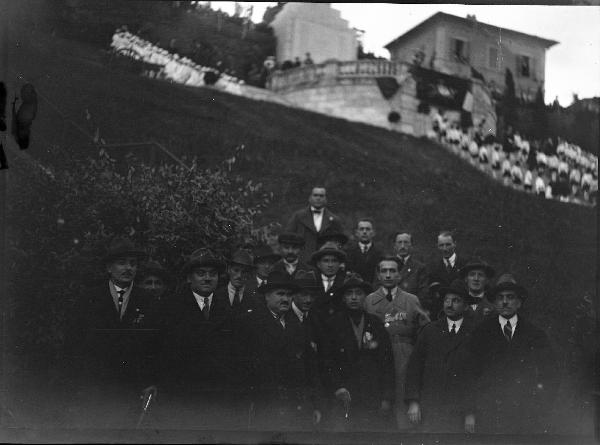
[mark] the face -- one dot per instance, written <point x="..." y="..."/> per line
<point x="122" y="270"/>
<point x="403" y="245"/>
<point x="203" y="280"/>
<point x="329" y="265"/>
<point x="388" y="274"/>
<point x="454" y="306"/>
<point x="476" y="281"/>
<point x="238" y="275"/>
<point x="304" y="300"/>
<point x="154" y="285"/>
<point x="507" y="303"/>
<point x="446" y="245"/>
<point x="354" y="298"/>
<point x="318" y="198"/>
<point x="290" y="252"/>
<point x="365" y="232"/>
<point x="263" y="267"/>
<point x="279" y="300"/>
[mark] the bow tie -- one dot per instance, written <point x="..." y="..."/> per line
<point x="317" y="211"/>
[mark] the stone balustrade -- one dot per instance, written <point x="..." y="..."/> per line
<point x="331" y="72"/>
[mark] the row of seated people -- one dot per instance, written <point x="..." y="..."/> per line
<point x="170" y="66"/>
<point x="269" y="342"/>
<point x="569" y="174"/>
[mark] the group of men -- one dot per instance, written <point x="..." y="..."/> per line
<point x="318" y="335"/>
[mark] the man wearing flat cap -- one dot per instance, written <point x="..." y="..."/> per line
<point x="313" y="220"/>
<point x="439" y="367"/>
<point x="104" y="340"/>
<point x="285" y="367"/>
<point x="360" y="365"/>
<point x="403" y="317"/>
<point x="198" y="373"/>
<point x="515" y="367"/>
<point x="290" y="247"/>
<point x="477" y="274"/>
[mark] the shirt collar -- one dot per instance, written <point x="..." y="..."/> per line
<point x="232" y="289"/>
<point x="394" y="291"/>
<point x="451" y="259"/>
<point x="321" y="210"/>
<point x="295" y="263"/>
<point x="326" y="278"/>
<point x="479" y="296"/>
<point x="198" y="296"/>
<point x="513" y="321"/>
<point x="297" y="311"/>
<point x="119" y="288"/>
<point x="458" y="323"/>
<point x="365" y="246"/>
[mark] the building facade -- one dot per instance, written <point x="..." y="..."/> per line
<point x="467" y="48"/>
<point x="313" y="28"/>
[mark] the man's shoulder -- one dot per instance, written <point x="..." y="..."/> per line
<point x="407" y="296"/>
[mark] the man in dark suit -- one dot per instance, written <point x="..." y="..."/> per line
<point x="363" y="255"/>
<point x="413" y="274"/>
<point x="285" y="374"/>
<point x="239" y="270"/>
<point x="439" y="367"/>
<point x="107" y="347"/>
<point x="515" y="368"/>
<point x="290" y="246"/>
<point x="264" y="260"/>
<point x="443" y="271"/>
<point x="330" y="277"/>
<point x="312" y="221"/>
<point x="359" y="362"/>
<point x="477" y="274"/>
<point x="204" y="366"/>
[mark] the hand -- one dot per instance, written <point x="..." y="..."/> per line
<point x="470" y="423"/>
<point x="414" y="412"/>
<point x="150" y="391"/>
<point x="316" y="419"/>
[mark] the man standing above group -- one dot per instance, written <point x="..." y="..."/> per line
<point x="290" y="246"/>
<point x="444" y="270"/>
<point x="413" y="274"/>
<point x="314" y="220"/>
<point x="364" y="255"/>
<point x="402" y="316"/>
<point x="477" y="274"/>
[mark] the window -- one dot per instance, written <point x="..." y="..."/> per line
<point x="493" y="59"/>
<point x="460" y="50"/>
<point x="523" y="66"/>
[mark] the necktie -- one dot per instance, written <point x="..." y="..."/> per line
<point x="453" y="330"/>
<point x="304" y="316"/>
<point x="316" y="212"/>
<point x="389" y="295"/>
<point x="329" y="284"/>
<point x="508" y="330"/>
<point x="363" y="248"/>
<point x="120" y="299"/>
<point x="448" y="265"/>
<point x="282" y="321"/>
<point x="206" y="308"/>
<point x="400" y="262"/>
<point x="236" y="298"/>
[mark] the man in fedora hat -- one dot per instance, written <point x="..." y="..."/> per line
<point x="403" y="317"/>
<point x="239" y="270"/>
<point x="515" y="367"/>
<point x="439" y="367"/>
<point x="359" y="362"/>
<point x="290" y="247"/>
<point x="305" y="295"/>
<point x="413" y="273"/>
<point x="333" y="236"/>
<point x="105" y="342"/>
<point x="443" y="270"/>
<point x="327" y="262"/>
<point x="286" y="372"/>
<point x="363" y="255"/>
<point x="313" y="220"/>
<point x="264" y="260"/>
<point x="477" y="274"/>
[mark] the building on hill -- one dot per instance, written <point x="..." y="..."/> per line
<point x="313" y="28"/>
<point x="467" y="48"/>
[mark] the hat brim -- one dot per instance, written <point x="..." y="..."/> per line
<point x="488" y="270"/>
<point x="516" y="288"/>
<point x="275" y="285"/>
<point x="316" y="256"/>
<point x="364" y="286"/>
<point x="272" y="257"/>
<point x="450" y="290"/>
<point x="219" y="265"/>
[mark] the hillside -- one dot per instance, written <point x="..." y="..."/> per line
<point x="398" y="180"/>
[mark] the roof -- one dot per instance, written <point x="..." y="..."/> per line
<point x="442" y="16"/>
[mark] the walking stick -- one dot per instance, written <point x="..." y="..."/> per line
<point x="147" y="401"/>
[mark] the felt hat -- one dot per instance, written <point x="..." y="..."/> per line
<point x="307" y="280"/>
<point x="243" y="258"/>
<point x="476" y="264"/>
<point x="507" y="282"/>
<point x="122" y="247"/>
<point x="264" y="253"/>
<point x="154" y="268"/>
<point x="203" y="257"/>
<point x="291" y="238"/>
<point x="278" y="280"/>
<point x="352" y="282"/>
<point x="317" y="255"/>
<point x="332" y="234"/>
<point x="457" y="287"/>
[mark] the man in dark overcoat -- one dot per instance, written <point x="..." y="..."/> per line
<point x="438" y="370"/>
<point x="263" y="259"/>
<point x="360" y="363"/>
<point x="516" y="368"/>
<point x="240" y="268"/>
<point x="313" y="220"/>
<point x="291" y="246"/>
<point x="285" y="371"/>
<point x="363" y="254"/>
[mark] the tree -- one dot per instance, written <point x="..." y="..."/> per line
<point x="509" y="100"/>
<point x="540" y="118"/>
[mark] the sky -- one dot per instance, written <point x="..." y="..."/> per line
<point x="572" y="66"/>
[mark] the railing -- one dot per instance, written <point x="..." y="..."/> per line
<point x="314" y="74"/>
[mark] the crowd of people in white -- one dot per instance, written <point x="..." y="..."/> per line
<point x="169" y="66"/>
<point x="558" y="170"/>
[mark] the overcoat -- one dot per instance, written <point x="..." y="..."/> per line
<point x="364" y="264"/>
<point x="302" y="223"/>
<point x="413" y="279"/>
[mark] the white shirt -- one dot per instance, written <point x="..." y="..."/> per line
<point x="326" y="281"/>
<point x="317" y="218"/>
<point x="298" y="312"/>
<point x="115" y="296"/>
<point x="479" y="298"/>
<point x="200" y="300"/>
<point x="513" y="323"/>
<point x="457" y="323"/>
<point x="540" y="186"/>
<point x="231" y="291"/>
<point x="450" y="260"/>
<point x="394" y="292"/>
<point x="281" y="320"/>
<point x="364" y="247"/>
<point x="290" y="267"/>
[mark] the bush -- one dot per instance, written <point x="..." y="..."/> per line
<point x="55" y="254"/>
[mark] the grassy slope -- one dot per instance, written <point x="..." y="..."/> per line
<point x="400" y="181"/>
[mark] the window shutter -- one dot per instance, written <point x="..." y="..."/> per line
<point x="467" y="51"/>
<point x="533" y="68"/>
<point x="518" y="66"/>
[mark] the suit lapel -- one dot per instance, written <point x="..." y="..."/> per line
<point x="307" y="220"/>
